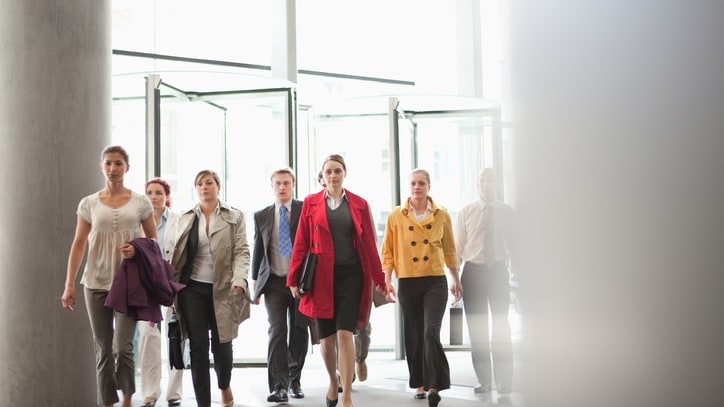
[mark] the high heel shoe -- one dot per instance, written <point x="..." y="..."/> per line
<point x="331" y="403"/>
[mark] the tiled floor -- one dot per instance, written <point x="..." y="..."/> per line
<point x="385" y="386"/>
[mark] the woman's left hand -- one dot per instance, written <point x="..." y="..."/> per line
<point x="456" y="289"/>
<point x="127" y="250"/>
<point x="295" y="291"/>
<point x="389" y="292"/>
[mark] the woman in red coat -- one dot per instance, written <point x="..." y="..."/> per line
<point x="337" y="226"/>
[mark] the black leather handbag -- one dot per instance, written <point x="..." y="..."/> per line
<point x="307" y="276"/>
<point x="178" y="354"/>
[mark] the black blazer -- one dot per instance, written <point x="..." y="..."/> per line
<point x="263" y="225"/>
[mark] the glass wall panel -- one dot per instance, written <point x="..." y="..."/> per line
<point x="129" y="131"/>
<point x="243" y="136"/>
<point x="454" y="150"/>
<point x="451" y="150"/>
<point x="364" y="143"/>
<point x="225" y="30"/>
<point x="192" y="139"/>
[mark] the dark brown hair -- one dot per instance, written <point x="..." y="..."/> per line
<point x="115" y="149"/>
<point x="335" y="157"/>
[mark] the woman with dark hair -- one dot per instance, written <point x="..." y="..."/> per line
<point x="158" y="192"/>
<point x="336" y="225"/>
<point x="107" y="221"/>
<point x="212" y="259"/>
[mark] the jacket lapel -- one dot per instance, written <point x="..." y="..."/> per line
<point x="267" y="219"/>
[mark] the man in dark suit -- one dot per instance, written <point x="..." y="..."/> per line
<point x="274" y="230"/>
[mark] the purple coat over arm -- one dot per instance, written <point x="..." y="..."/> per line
<point x="143" y="284"/>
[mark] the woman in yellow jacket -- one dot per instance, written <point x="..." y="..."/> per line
<point x="418" y="244"/>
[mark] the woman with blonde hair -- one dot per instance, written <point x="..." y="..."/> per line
<point x="417" y="245"/>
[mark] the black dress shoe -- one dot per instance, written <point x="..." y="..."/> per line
<point x="174" y="403"/>
<point x="331" y="403"/>
<point x="295" y="390"/>
<point x="433" y="399"/>
<point x="420" y="396"/>
<point x="278" y="396"/>
<point x="151" y="403"/>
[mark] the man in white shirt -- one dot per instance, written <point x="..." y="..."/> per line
<point x="482" y="232"/>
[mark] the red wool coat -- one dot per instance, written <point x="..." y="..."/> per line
<point x="313" y="235"/>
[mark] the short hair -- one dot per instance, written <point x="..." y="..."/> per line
<point x="335" y="157"/>
<point x="423" y="172"/>
<point x="115" y="149"/>
<point x="204" y="173"/>
<point x="285" y="170"/>
<point x="487" y="171"/>
<point x="166" y="188"/>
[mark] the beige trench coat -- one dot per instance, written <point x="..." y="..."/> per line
<point x="230" y="251"/>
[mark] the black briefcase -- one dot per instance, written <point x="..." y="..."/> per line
<point x="307" y="277"/>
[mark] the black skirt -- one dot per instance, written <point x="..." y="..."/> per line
<point x="347" y="293"/>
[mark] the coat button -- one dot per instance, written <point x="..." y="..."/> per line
<point x="410" y="228"/>
<point x="415" y="259"/>
<point x="425" y="258"/>
<point x="413" y="243"/>
<point x="425" y="241"/>
<point x="429" y="227"/>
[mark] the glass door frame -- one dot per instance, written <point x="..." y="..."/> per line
<point x="154" y="84"/>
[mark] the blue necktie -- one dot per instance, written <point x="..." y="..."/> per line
<point x="285" y="242"/>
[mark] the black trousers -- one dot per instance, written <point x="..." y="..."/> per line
<point x="197" y="310"/>
<point x="285" y="358"/>
<point x="423" y="301"/>
<point x="488" y="287"/>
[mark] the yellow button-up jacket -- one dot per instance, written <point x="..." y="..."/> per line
<point x="418" y="249"/>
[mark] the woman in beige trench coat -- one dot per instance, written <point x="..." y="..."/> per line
<point x="212" y="259"/>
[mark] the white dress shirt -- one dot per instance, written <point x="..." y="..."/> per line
<point x="470" y="236"/>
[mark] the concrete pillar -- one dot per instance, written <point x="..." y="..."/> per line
<point x="55" y="67"/>
<point x="618" y="117"/>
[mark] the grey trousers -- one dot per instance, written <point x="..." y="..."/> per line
<point x="113" y="347"/>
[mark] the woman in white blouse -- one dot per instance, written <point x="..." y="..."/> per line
<point x="107" y="221"/>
